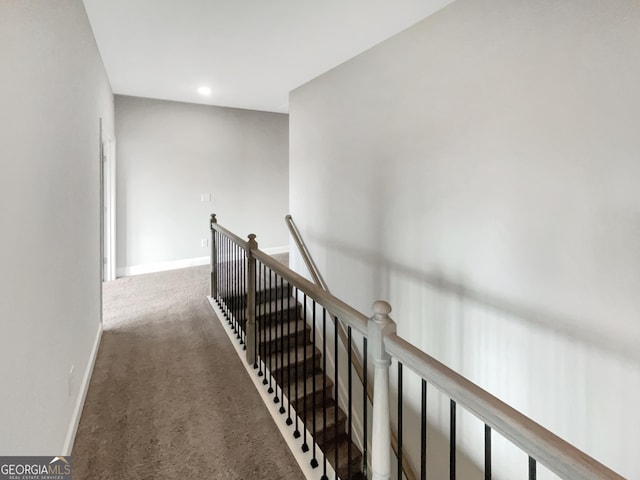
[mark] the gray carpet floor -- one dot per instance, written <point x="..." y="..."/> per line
<point x="169" y="398"/>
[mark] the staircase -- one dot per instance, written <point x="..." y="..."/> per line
<point x="280" y="337"/>
<point x="295" y="366"/>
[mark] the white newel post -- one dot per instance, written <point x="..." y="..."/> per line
<point x="251" y="302"/>
<point x="379" y="326"/>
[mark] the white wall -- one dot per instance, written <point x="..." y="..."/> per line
<point x="480" y="172"/>
<point x="53" y="90"/>
<point x="168" y="153"/>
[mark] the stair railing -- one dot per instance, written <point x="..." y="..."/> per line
<point x="379" y="332"/>
<point x="306" y="255"/>
<point x="232" y="263"/>
<point x="357" y="362"/>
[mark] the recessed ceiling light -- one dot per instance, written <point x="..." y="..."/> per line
<point x="204" y="91"/>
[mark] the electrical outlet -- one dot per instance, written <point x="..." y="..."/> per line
<point x="205" y="197"/>
<point x="204" y="242"/>
<point x="71" y="380"/>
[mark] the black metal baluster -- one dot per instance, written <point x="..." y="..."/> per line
<point x="282" y="345"/>
<point x="234" y="289"/>
<point x="226" y="279"/>
<point x="305" y="446"/>
<point x="220" y="275"/>
<point x="223" y="291"/>
<point x="265" y="322"/>
<point x="314" y="460"/>
<point x="236" y="297"/>
<point x="270" y="390"/>
<point x="242" y="300"/>
<point x="263" y="332"/>
<point x="296" y="432"/>
<point x="336" y="394"/>
<point x="423" y="433"/>
<point x="452" y="444"/>
<point x="228" y="301"/>
<point x="216" y="240"/>
<point x="221" y="271"/>
<point x="277" y="315"/>
<point x="234" y="286"/>
<point x="349" y="400"/>
<point x="239" y="296"/>
<point x="487" y="452"/>
<point x="245" y="295"/>
<point x="324" y="391"/>
<point x="214" y="275"/>
<point x="280" y="316"/>
<point x="399" y="420"/>
<point x="289" y="421"/>
<point x="532" y="469"/>
<point x="256" y="338"/>
<point x="365" y="402"/>
<point x="223" y="266"/>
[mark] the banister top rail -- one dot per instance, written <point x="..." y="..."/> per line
<point x="236" y="239"/>
<point x="346" y="313"/>
<point x="547" y="448"/>
<point x="306" y="255"/>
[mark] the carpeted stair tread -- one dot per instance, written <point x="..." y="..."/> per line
<point x="269" y="294"/>
<point x="287" y="328"/>
<point x="277" y="310"/>
<point x="324" y="435"/>
<point x="319" y="392"/>
<point x="275" y="338"/>
<point x="304" y="356"/>
<point x="355" y="462"/>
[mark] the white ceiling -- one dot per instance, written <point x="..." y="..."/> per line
<point x="251" y="53"/>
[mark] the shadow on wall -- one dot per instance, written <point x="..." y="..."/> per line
<point x="552" y="323"/>
<point x="579" y="384"/>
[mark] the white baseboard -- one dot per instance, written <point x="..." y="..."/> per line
<point x="184" y="263"/>
<point x="162" y="266"/>
<point x="82" y="395"/>
<point x="276" y="250"/>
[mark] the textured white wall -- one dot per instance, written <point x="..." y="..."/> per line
<point x="53" y="90"/>
<point x="168" y="153"/>
<point x="479" y="171"/>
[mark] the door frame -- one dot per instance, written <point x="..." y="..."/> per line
<point x="108" y="167"/>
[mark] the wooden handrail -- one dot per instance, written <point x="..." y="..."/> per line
<point x="306" y="254"/>
<point x="553" y="452"/>
<point x="344" y="311"/>
<point x="236" y="239"/>
<point x="356" y="361"/>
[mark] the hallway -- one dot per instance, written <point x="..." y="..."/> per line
<point x="169" y="397"/>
